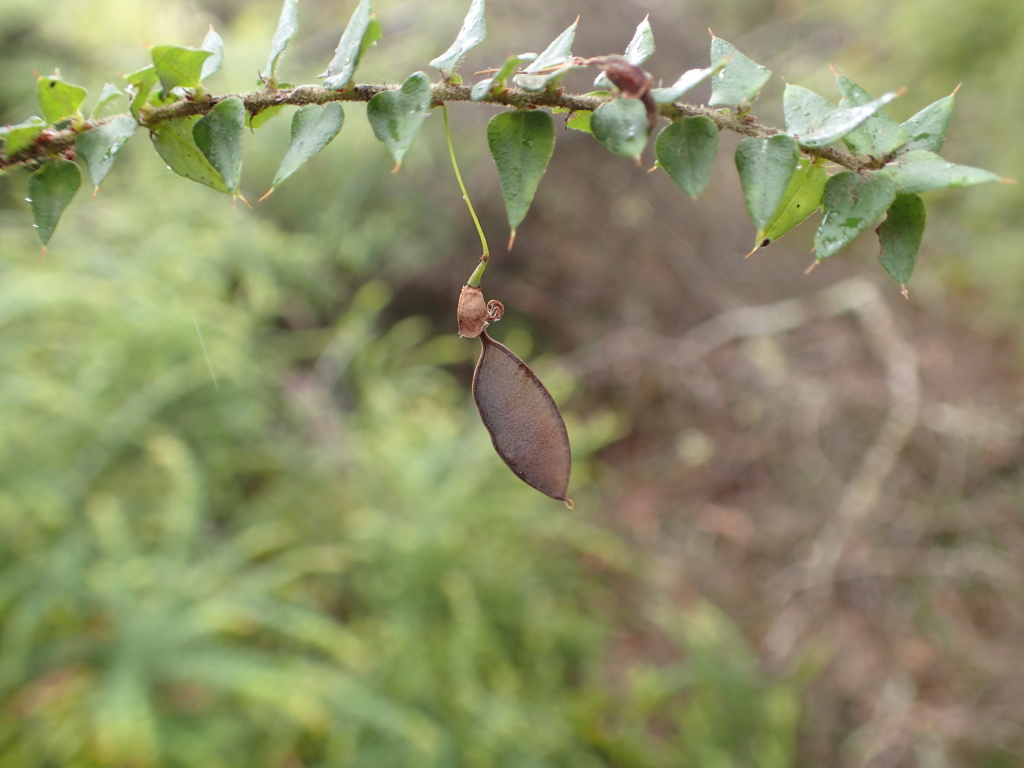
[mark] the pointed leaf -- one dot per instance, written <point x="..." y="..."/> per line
<point x="686" y="149"/>
<point x="691" y="78"/>
<point x="313" y="128"/>
<point x="218" y="134"/>
<point x="287" y="26"/>
<point x="639" y="50"/>
<point x="178" y="67"/>
<point x="140" y="85"/>
<point x="900" y="235"/>
<point x="50" y="189"/>
<point x="927" y="129"/>
<point x="765" y="167"/>
<point x="20" y="137"/>
<point x="740" y="80"/>
<point x="472" y="33"/>
<point x="396" y="116"/>
<point x="801" y="199"/>
<point x="109" y="93"/>
<point x="173" y="140"/>
<point x="552" y="64"/>
<point x="621" y="126"/>
<point x="98" y="147"/>
<point x="923" y="171"/>
<point x="212" y="43"/>
<point x="523" y="420"/>
<point x="59" y="99"/>
<point x="852" y="202"/>
<point x="816" y="122"/>
<point x="362" y="32"/>
<point x="879" y="135"/>
<point x="521" y="144"/>
<point x="497" y="81"/>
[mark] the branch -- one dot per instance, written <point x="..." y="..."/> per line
<point x="51" y="143"/>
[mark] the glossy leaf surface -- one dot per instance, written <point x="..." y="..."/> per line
<point x="852" y="202"/>
<point x="621" y="126"/>
<point x="554" y="59"/>
<point x="765" y="167"/>
<point x="472" y="33"/>
<point x="879" y="135"/>
<point x="900" y="235"/>
<point x="103" y="108"/>
<point x="691" y="78"/>
<point x="218" y="134"/>
<point x="639" y="50"/>
<point x="99" y="147"/>
<point x="314" y="126"/>
<point x="921" y="171"/>
<point x="497" y="80"/>
<point x="521" y="144"/>
<point x="396" y="116"/>
<point x="817" y="122"/>
<point x="686" y="149"/>
<point x="50" y="189"/>
<point x="362" y="32"/>
<point x="212" y="43"/>
<point x="525" y="425"/>
<point x="927" y="129"/>
<point x="740" y="80"/>
<point x="287" y="26"/>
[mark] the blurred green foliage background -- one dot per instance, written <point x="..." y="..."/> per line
<point x="248" y="514"/>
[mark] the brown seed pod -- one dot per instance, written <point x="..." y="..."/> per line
<point x="472" y="312"/>
<point x="525" y="425"/>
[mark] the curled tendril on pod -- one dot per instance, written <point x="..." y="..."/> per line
<point x="520" y="415"/>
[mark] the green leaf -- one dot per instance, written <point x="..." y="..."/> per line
<point x="766" y="167"/>
<point x="852" y="202"/>
<point x="686" y="149"/>
<point x="621" y="126"/>
<point x="472" y="33"/>
<point x="521" y="144"/>
<point x="287" y="26"/>
<point x="258" y="120"/>
<point x="313" y="128"/>
<point x="396" y="116"/>
<point x="557" y="58"/>
<point x="140" y="85"/>
<point x="362" y="32"/>
<point x="99" y="146"/>
<point x="50" y="189"/>
<point x="639" y="50"/>
<point x="218" y="134"/>
<point x="922" y="171"/>
<point x="496" y="82"/>
<point x="174" y="142"/>
<point x="59" y="99"/>
<point x="212" y="43"/>
<point x="927" y="129"/>
<point x="879" y="135"/>
<point x="740" y="80"/>
<point x="802" y="198"/>
<point x="689" y="79"/>
<point x="816" y="122"/>
<point x="178" y="67"/>
<point x="109" y="93"/>
<point x="21" y="136"/>
<point x="900" y="235"/>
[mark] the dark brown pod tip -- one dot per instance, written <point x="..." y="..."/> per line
<point x="630" y="79"/>
<point x="523" y="420"/>
<point x="472" y="313"/>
